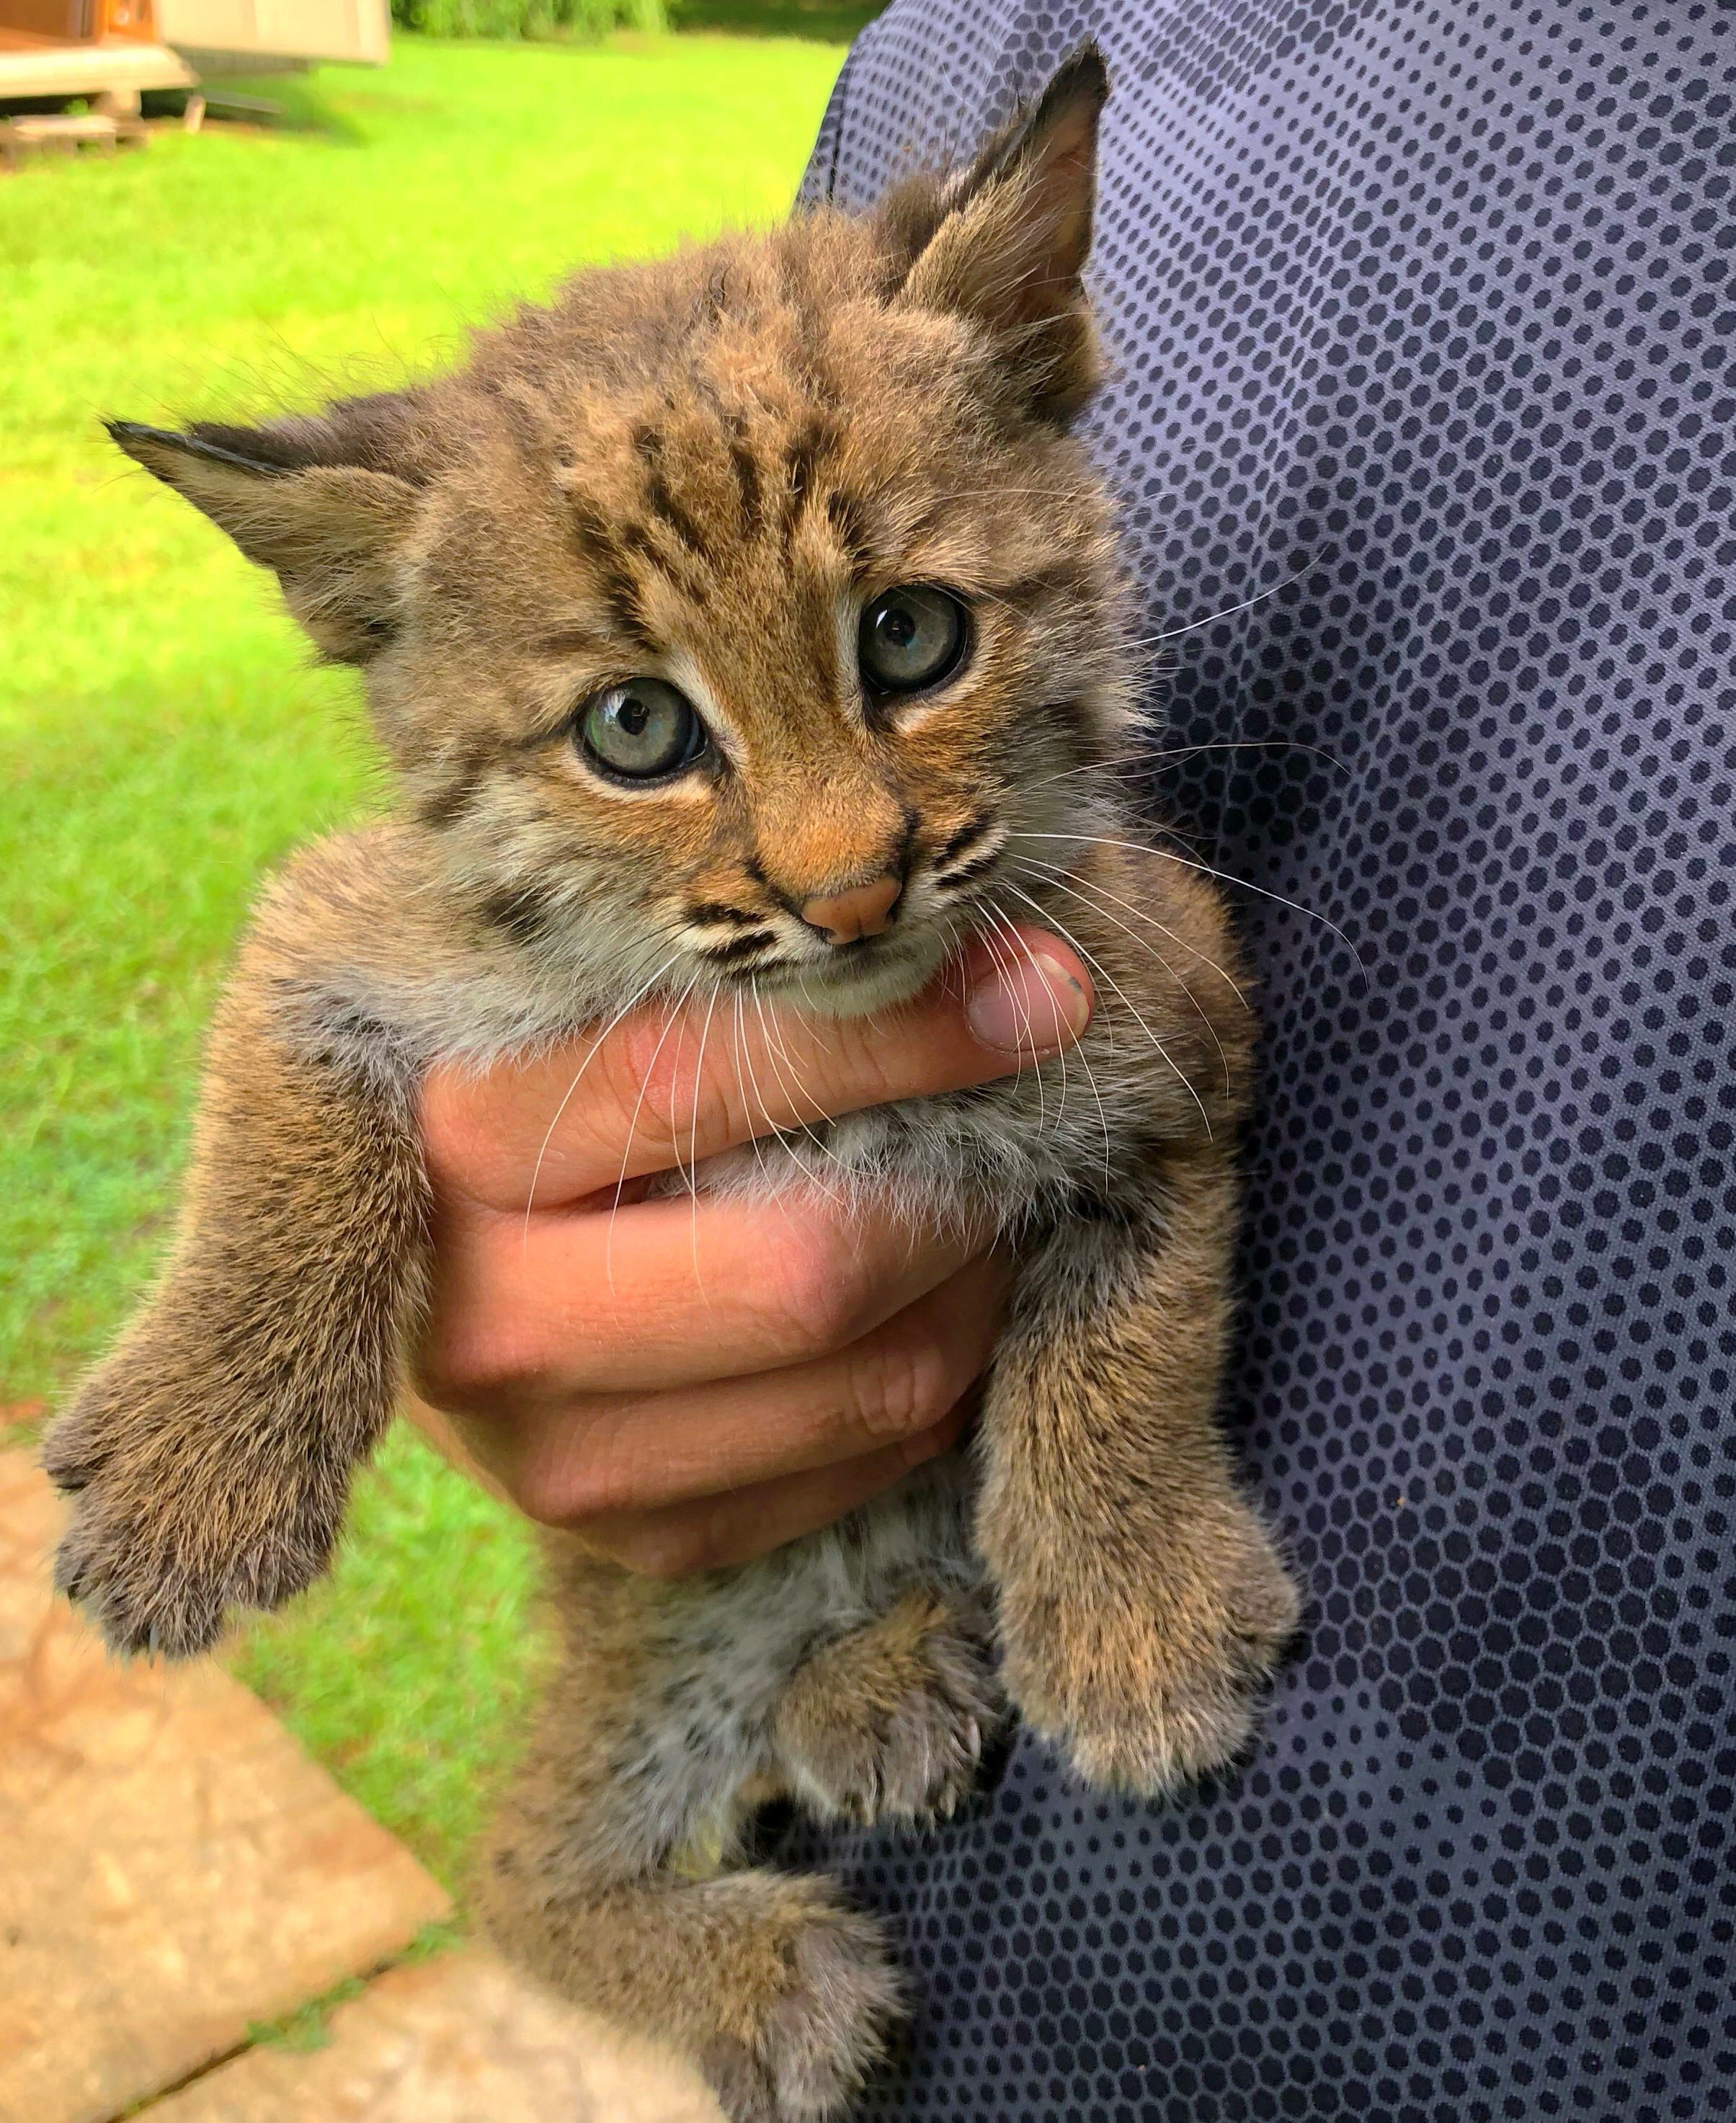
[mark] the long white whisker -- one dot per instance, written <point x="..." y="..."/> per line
<point x="1091" y="960"/>
<point x="747" y="1056"/>
<point x="765" y="1029"/>
<point x="1090" y="893"/>
<point x="693" y="1164"/>
<point x="778" y="1054"/>
<point x="1223" y="876"/>
<point x="740" y="1053"/>
<point x="1029" y="1037"/>
<point x="1229" y="612"/>
<point x="1012" y="931"/>
<point x="693" y="1173"/>
<point x="1058" y="883"/>
<point x="1178" y="751"/>
<point x="1101" y="892"/>
<point x="627" y="1155"/>
<point x="1023" y="1033"/>
<point x="625" y="1010"/>
<point x="997" y="493"/>
<point x="786" y="1060"/>
<point x="1090" y="1078"/>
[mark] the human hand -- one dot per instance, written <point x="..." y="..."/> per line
<point x="690" y="1383"/>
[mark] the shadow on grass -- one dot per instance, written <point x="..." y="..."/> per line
<point x="826" y="21"/>
<point x="274" y="103"/>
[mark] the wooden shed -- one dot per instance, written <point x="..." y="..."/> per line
<point x="110" y="50"/>
<point x="355" y="30"/>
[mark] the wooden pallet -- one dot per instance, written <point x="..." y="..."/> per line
<point x="99" y="129"/>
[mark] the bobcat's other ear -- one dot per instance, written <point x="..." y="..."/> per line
<point x="1010" y="251"/>
<point x="300" y="498"/>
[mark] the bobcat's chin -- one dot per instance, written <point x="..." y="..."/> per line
<point x="855" y="984"/>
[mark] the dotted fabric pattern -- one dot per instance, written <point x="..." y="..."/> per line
<point x="1431" y="305"/>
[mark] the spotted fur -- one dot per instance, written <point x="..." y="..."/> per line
<point x="701" y="469"/>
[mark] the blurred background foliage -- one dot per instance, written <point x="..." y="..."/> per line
<point x="527" y="18"/>
<point x="830" y="21"/>
<point x="827" y="20"/>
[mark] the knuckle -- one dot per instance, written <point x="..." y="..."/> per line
<point x="904" y="1387"/>
<point x="453" y="1371"/>
<point x="658" y="1088"/>
<point x="579" y="1472"/>
<point x="545" y="1495"/>
<point x="467" y="1362"/>
<point x="476" y="1358"/>
<point x="593" y="1487"/>
<point x="814" y="1296"/>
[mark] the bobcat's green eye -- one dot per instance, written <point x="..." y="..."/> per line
<point x="911" y="637"/>
<point x="642" y="730"/>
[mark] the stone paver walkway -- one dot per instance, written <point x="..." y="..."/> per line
<point x="173" y="1869"/>
<point x="456" y="2040"/>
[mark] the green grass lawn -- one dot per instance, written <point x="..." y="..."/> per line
<point x="163" y="738"/>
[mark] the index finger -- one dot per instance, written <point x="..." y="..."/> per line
<point x="664" y="1087"/>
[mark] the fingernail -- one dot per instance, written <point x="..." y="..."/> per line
<point x="1036" y="1009"/>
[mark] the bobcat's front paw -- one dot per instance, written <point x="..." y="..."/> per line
<point x="1150" y="1684"/>
<point x="169" y="1529"/>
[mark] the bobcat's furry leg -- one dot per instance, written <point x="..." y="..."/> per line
<point x="209" y="1457"/>
<point x="605" y="1879"/>
<point x="1143" y="1604"/>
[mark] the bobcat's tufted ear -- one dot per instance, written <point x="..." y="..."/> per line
<point x="1010" y="250"/>
<point x="311" y="499"/>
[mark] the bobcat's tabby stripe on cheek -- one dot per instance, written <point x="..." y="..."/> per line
<point x="747" y="946"/>
<point x="525" y="915"/>
<point x="964" y="840"/>
<point x="716" y="910"/>
<point x="980" y="866"/>
<point x="458" y="791"/>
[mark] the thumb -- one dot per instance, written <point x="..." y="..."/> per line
<point x="665" y="1087"/>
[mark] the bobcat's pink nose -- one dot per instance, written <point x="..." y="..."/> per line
<point x="847" y="916"/>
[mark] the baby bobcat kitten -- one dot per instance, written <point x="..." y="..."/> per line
<point x="746" y="623"/>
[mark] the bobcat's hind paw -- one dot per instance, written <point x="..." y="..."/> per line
<point x="817" y="2042"/>
<point x="891" y="1721"/>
